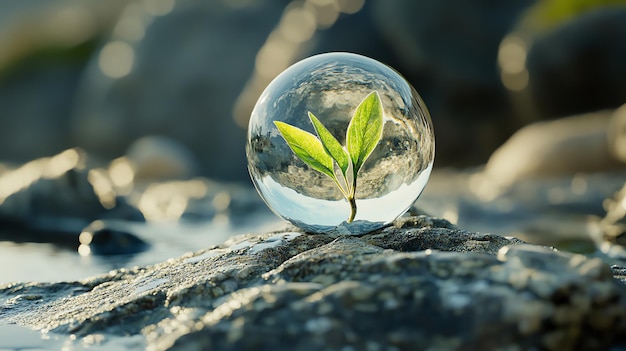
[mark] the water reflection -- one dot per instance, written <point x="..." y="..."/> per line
<point x="17" y="338"/>
<point x="46" y="262"/>
<point x="299" y="208"/>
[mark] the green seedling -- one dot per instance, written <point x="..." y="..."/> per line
<point x="323" y="152"/>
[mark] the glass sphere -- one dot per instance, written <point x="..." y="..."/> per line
<point x="331" y="87"/>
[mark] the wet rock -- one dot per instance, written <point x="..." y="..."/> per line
<point x="33" y="189"/>
<point x="418" y="284"/>
<point x="52" y="198"/>
<point x="109" y="238"/>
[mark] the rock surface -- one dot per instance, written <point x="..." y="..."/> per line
<point x="418" y="284"/>
<point x="575" y="144"/>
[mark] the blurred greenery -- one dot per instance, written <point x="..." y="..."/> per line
<point x="547" y="14"/>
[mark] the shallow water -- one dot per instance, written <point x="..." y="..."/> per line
<point x="44" y="262"/>
<point x="13" y="337"/>
<point x="17" y="338"/>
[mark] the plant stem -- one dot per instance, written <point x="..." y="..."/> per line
<point x="352" y="202"/>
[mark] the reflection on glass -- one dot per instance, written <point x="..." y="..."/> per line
<point x="331" y="86"/>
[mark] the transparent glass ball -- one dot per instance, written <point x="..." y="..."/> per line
<point x="331" y="86"/>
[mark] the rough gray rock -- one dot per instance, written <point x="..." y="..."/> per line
<point x="416" y="285"/>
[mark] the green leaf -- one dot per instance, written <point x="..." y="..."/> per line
<point x="331" y="144"/>
<point x="307" y="147"/>
<point x="365" y="130"/>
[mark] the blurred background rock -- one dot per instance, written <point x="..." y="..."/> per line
<point x="163" y="89"/>
<point x="100" y="75"/>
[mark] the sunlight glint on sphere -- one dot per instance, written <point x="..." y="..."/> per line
<point x="331" y="86"/>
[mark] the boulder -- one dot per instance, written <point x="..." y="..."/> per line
<point x="174" y="70"/>
<point x="567" y="146"/>
<point x="418" y="284"/>
<point x="51" y="199"/>
<point x="44" y="46"/>
<point x="448" y="51"/>
<point x="577" y="66"/>
<point x="67" y="186"/>
<point x="562" y="58"/>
